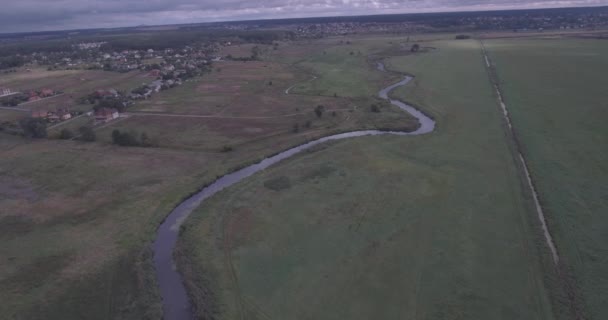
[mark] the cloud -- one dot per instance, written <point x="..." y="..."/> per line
<point x="34" y="15"/>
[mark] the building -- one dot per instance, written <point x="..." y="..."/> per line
<point x="46" y="92"/>
<point x="106" y="114"/>
<point x="39" y="114"/>
<point x="64" y="114"/>
<point x="53" y="117"/>
<point x="5" y="91"/>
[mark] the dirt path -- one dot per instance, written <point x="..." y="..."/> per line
<point x="289" y="89"/>
<point x="507" y="117"/>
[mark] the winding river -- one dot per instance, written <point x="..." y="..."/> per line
<point x="176" y="304"/>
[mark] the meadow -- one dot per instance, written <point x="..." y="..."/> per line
<point x="248" y="105"/>
<point x="556" y="94"/>
<point x="77" y="218"/>
<point x="427" y="227"/>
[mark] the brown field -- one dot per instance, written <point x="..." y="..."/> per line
<point x="11" y="115"/>
<point x="74" y="83"/>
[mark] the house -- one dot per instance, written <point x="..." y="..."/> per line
<point x="53" y="117"/>
<point x="154" y="73"/>
<point x="5" y="91"/>
<point x="106" y="93"/>
<point x="64" y="114"/>
<point x="106" y="114"/>
<point x="39" y="114"/>
<point x="46" y="92"/>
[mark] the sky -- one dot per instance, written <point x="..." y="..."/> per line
<point x="46" y="15"/>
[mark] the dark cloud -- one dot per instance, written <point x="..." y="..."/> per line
<point x="32" y="15"/>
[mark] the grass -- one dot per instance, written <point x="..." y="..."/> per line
<point x="77" y="218"/>
<point x="555" y="91"/>
<point x="433" y="227"/>
<point x="252" y="114"/>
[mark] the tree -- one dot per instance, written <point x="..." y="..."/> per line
<point x="33" y="127"/>
<point x="144" y="141"/>
<point x="66" y="134"/>
<point x="319" y="111"/>
<point x="87" y="134"/>
<point x="308" y="124"/>
<point x="415" y="47"/>
<point x="116" y="136"/>
<point x="375" y="108"/>
<point x="296" y="128"/>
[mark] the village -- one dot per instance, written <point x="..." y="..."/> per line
<point x="162" y="69"/>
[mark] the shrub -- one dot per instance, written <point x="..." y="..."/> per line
<point x="375" y="108"/>
<point x="278" y="184"/>
<point x="33" y="128"/>
<point x="129" y="139"/>
<point x="87" y="134"/>
<point x="319" y="111"/>
<point x="308" y="124"/>
<point x="66" y="134"/>
<point x="462" y="37"/>
<point x="296" y="128"/>
<point x="227" y="148"/>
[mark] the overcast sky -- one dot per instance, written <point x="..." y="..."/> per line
<point x="41" y="15"/>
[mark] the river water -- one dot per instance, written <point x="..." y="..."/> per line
<point x="176" y="304"/>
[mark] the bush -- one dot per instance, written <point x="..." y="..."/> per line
<point x="375" y="108"/>
<point x="87" y="134"/>
<point x="132" y="139"/>
<point x="462" y="37"/>
<point x="227" y="148"/>
<point x="415" y="47"/>
<point x="296" y="128"/>
<point x="308" y="124"/>
<point x="33" y="128"/>
<point x="319" y="111"/>
<point x="278" y="184"/>
<point x="66" y="134"/>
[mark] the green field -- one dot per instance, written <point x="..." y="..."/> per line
<point x="439" y="226"/>
<point x="556" y="93"/>
<point x="428" y="227"/>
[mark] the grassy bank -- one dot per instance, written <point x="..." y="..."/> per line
<point x="432" y="227"/>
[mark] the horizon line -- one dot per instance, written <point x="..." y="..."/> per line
<point x="306" y="17"/>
